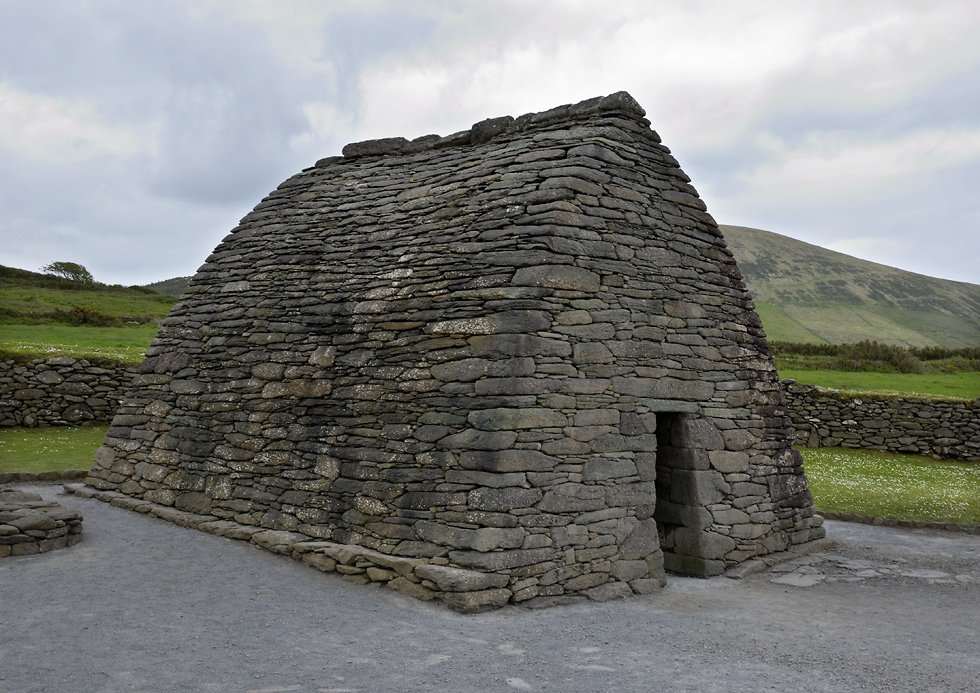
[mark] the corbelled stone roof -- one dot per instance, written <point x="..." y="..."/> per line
<point x="521" y="352"/>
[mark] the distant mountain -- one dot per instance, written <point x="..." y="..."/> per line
<point x="804" y="293"/>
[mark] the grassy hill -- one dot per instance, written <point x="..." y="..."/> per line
<point x="171" y="287"/>
<point x="41" y="314"/>
<point x="804" y="293"/>
<point x="30" y="298"/>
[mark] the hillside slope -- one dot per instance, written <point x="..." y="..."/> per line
<point x="805" y="293"/>
<point x="32" y="298"/>
<point x="170" y="287"/>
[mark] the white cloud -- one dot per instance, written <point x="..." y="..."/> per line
<point x="296" y="28"/>
<point x="325" y="119"/>
<point x="841" y="166"/>
<point x="880" y="53"/>
<point x="44" y="128"/>
<point x="708" y="72"/>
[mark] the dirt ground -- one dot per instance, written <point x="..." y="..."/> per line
<point x="145" y="605"/>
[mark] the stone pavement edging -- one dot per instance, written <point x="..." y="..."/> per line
<point x="466" y="591"/>
<point x="31" y="477"/>
<point x="808" y="571"/>
<point x="893" y="522"/>
<point x="794" y="552"/>
<point x="30" y="525"/>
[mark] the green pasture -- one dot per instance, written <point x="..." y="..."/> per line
<point x="781" y="327"/>
<point x="959" y="384"/>
<point x="126" y="344"/>
<point x="904" y="487"/>
<point x="49" y="449"/>
<point x="838" y="323"/>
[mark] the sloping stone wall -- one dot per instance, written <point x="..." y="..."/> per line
<point x="944" y="428"/>
<point x="523" y="349"/>
<point x="60" y="391"/>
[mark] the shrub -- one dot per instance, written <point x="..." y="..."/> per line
<point x="943" y="354"/>
<point x="803" y="349"/>
<point x="69" y="270"/>
<point x="80" y="315"/>
<point x="876" y="357"/>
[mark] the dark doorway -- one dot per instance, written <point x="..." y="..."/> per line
<point x="680" y="513"/>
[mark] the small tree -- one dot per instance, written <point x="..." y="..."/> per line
<point x="69" y="270"/>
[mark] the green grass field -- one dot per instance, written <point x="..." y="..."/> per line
<point x="126" y="344"/>
<point x="49" y="449"/>
<point x="963" y="384"/>
<point x="904" y="487"/>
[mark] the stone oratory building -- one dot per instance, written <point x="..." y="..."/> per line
<point x="513" y="363"/>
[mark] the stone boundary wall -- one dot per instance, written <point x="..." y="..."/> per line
<point x="60" y="391"/>
<point x="943" y="428"/>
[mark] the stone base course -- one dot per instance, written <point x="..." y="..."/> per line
<point x="466" y="591"/>
<point x="793" y="553"/>
<point x="30" y="525"/>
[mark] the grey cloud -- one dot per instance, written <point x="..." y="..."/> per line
<point x="225" y="106"/>
<point x="355" y="39"/>
<point x="102" y="219"/>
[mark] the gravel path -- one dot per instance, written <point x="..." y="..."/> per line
<point x="142" y="604"/>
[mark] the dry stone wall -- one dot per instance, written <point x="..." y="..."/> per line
<point x="60" y="391"/>
<point x="522" y="350"/>
<point x="943" y="428"/>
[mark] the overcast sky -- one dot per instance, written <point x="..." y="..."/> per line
<point x="135" y="134"/>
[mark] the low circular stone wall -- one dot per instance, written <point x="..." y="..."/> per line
<point x="29" y="524"/>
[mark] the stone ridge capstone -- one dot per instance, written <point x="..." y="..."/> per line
<point x="487" y="130"/>
<point x="514" y="365"/>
